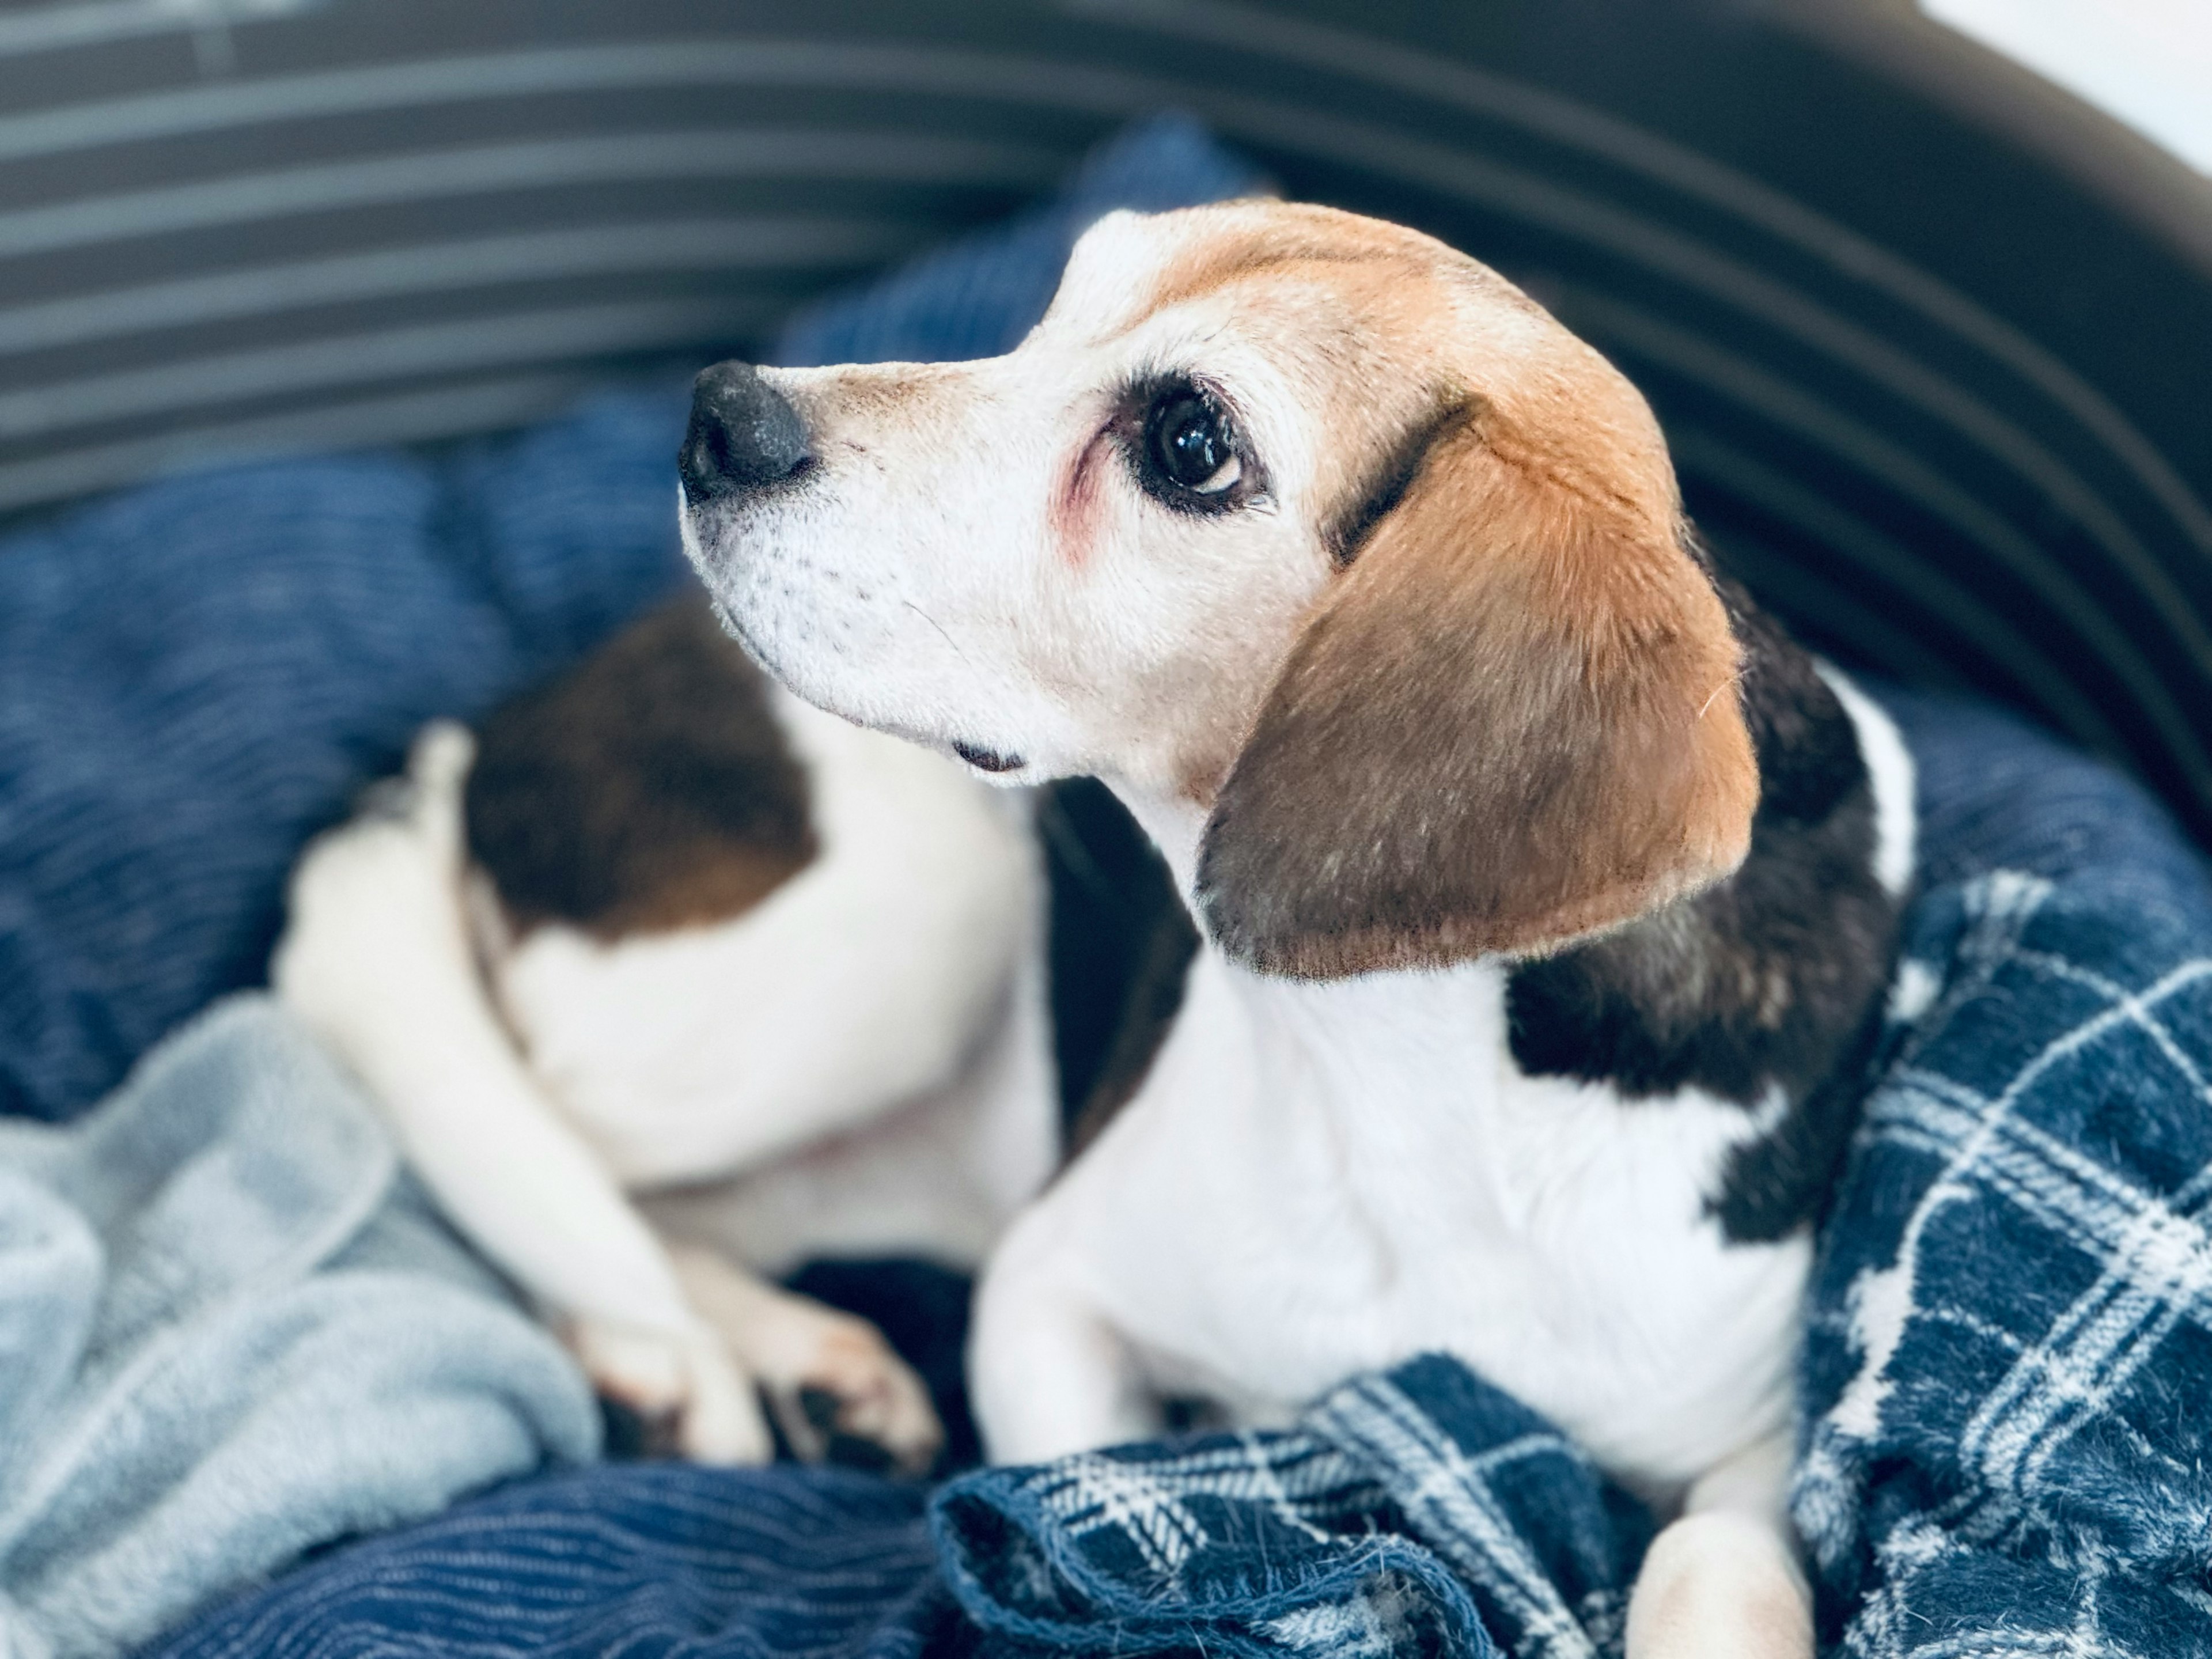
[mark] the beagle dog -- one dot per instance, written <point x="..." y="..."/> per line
<point x="1549" y="892"/>
<point x="667" y="981"/>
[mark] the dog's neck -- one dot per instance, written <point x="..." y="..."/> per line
<point x="1175" y="825"/>
<point x="1354" y="1035"/>
<point x="1468" y="1140"/>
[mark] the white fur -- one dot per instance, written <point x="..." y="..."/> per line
<point x="1367" y="1176"/>
<point x="1889" y="762"/>
<point x="869" y="980"/>
<point x="858" y="1065"/>
<point x="1314" y="1178"/>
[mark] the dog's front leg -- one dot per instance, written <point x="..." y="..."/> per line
<point x="1722" y="1581"/>
<point x="376" y="959"/>
<point x="1048" y="1374"/>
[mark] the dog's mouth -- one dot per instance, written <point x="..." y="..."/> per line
<point x="988" y="760"/>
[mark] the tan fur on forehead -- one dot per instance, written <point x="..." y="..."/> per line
<point x="1410" y="327"/>
<point x="1216" y="246"/>
<point x="880" y="389"/>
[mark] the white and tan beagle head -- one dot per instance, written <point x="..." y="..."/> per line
<point x="1304" y="518"/>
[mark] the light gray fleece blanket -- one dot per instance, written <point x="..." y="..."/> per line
<point x="231" y="1328"/>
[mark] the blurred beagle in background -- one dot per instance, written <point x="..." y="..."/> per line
<point x="667" y="982"/>
<point x="1550" y="892"/>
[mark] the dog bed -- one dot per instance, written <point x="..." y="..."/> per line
<point x="150" y="824"/>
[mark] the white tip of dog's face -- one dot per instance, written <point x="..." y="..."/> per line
<point x="855" y="527"/>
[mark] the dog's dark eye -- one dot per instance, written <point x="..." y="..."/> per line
<point x="1189" y="445"/>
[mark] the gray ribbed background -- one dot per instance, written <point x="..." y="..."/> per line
<point x="1937" y="390"/>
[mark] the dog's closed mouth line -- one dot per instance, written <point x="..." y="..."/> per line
<point x="988" y="760"/>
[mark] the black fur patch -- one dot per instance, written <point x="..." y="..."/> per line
<point x="649" y="788"/>
<point x="1774" y="977"/>
<point x="1121" y="943"/>
<point x="1348" y="529"/>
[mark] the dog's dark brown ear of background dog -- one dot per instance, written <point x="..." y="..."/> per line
<point x="647" y="788"/>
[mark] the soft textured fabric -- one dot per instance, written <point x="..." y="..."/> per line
<point x="2010" y="1365"/>
<point x="1417" y="1513"/>
<point x="1421" y="1512"/>
<point x="1413" y="1513"/>
<point x="231" y="1330"/>
<point x="622" y="1561"/>
<point x="2009" y="1381"/>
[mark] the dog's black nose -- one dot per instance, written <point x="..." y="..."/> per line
<point x="743" y="435"/>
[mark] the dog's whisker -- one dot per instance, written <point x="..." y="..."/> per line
<point x="940" y="628"/>
<point x="1706" y="708"/>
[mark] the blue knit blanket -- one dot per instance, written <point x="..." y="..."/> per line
<point x="2006" y="1383"/>
<point x="231" y="1329"/>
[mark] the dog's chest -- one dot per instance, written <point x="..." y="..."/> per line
<point x="1327" y="1179"/>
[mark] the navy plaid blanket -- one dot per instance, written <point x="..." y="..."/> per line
<point x="2009" y="1369"/>
<point x="1421" y="1512"/>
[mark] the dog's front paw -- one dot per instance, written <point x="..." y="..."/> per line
<point x="689" y="1397"/>
<point x="838" y="1391"/>
<point x="851" y="1398"/>
<point x="1720" y="1586"/>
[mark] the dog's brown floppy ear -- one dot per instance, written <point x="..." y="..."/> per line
<point x="1512" y="721"/>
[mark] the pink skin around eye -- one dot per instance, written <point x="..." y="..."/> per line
<point x="1075" y="518"/>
